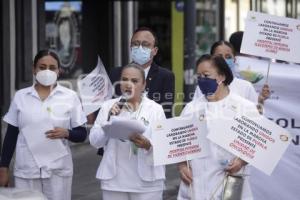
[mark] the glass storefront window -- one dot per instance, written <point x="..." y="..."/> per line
<point x="244" y="8"/>
<point x="206" y="25"/>
<point x="298" y="9"/>
<point x="230" y="18"/>
<point x="274" y="7"/>
<point x="235" y="15"/>
<point x="63" y="23"/>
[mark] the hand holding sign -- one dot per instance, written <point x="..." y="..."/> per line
<point x="258" y="141"/>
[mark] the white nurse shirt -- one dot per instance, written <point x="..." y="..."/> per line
<point x="62" y="108"/>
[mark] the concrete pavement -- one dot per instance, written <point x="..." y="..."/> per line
<point x="87" y="187"/>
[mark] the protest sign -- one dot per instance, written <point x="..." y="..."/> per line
<point x="177" y="139"/>
<point x="94" y="88"/>
<point x="258" y="140"/>
<point x="283" y="108"/>
<point x="272" y="37"/>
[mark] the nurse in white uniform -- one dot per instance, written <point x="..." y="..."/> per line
<point x="205" y="175"/>
<point x="126" y="170"/>
<point x="44" y="104"/>
<point x="239" y="86"/>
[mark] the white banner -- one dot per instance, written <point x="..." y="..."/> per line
<point x="94" y="88"/>
<point x="178" y="139"/>
<point x="272" y="37"/>
<point x="283" y="108"/>
<point x="256" y="140"/>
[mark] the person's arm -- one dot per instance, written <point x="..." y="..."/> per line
<point x="97" y="136"/>
<point x="263" y="95"/>
<point x="8" y="150"/>
<point x="77" y="134"/>
<point x="9" y="145"/>
<point x="185" y="173"/>
<point x="236" y="165"/>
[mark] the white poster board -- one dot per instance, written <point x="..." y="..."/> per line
<point x="94" y="88"/>
<point x="283" y="108"/>
<point x="258" y="140"/>
<point x="272" y="37"/>
<point x="178" y="139"/>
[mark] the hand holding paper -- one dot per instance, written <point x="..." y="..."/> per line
<point x="43" y="149"/>
<point x="123" y="128"/>
<point x="140" y="141"/>
<point x="57" y="133"/>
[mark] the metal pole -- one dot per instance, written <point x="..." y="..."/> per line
<point x="189" y="48"/>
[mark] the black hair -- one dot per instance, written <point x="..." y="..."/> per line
<point x="204" y="57"/>
<point x="220" y="64"/>
<point x="144" y="28"/>
<point x="219" y="43"/>
<point x="236" y="40"/>
<point x="46" y="52"/>
<point x="135" y="66"/>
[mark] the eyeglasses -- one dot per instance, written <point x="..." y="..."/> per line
<point x="144" y="44"/>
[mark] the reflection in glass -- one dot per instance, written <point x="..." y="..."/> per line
<point x="63" y="21"/>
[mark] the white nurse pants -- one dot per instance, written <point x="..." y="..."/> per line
<point x="54" y="188"/>
<point x="114" y="195"/>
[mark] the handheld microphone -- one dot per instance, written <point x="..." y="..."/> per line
<point x="120" y="103"/>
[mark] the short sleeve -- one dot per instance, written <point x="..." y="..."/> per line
<point x="78" y="117"/>
<point x="11" y="117"/>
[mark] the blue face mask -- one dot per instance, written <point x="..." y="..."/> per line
<point x="140" y="55"/>
<point x="231" y="64"/>
<point x="207" y="86"/>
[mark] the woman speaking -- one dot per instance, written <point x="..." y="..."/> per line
<point x="126" y="170"/>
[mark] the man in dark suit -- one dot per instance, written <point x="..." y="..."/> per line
<point x="160" y="82"/>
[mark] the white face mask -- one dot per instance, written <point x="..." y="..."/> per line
<point x="46" y="77"/>
<point x="140" y="55"/>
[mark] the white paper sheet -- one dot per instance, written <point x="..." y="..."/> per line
<point x="123" y="128"/>
<point x="43" y="149"/>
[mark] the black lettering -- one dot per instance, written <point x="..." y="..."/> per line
<point x="296" y="140"/>
<point x="293" y="121"/>
<point x="285" y="122"/>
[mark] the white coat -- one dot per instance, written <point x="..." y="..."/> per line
<point x="150" y="111"/>
<point x="208" y="172"/>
